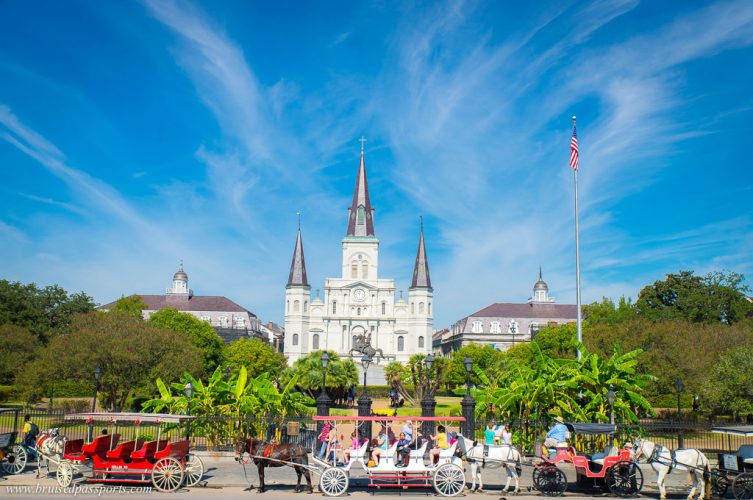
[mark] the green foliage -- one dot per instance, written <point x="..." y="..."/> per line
<point x="8" y="393"/>
<point x="420" y="379"/>
<point x="307" y="373"/>
<point x="484" y="357"/>
<point x="729" y="389"/>
<point x="558" y="341"/>
<point x="132" y="305"/>
<point x="256" y="356"/>
<point x="18" y="346"/>
<point x="44" y="312"/>
<point x="718" y="297"/>
<point x="200" y="333"/>
<point x="130" y="352"/>
<point x="607" y="312"/>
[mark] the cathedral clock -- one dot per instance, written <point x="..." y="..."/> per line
<point x="359" y="295"/>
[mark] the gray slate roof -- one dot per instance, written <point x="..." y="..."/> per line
<point x="421" y="278"/>
<point x="297" y="275"/>
<point x="361" y="197"/>
<point x="193" y="303"/>
<point x="504" y="310"/>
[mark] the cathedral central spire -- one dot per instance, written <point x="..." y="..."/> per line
<point x="421" y="278"/>
<point x="298" y="265"/>
<point x="360" y="213"/>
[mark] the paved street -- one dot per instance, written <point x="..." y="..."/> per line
<point x="224" y="476"/>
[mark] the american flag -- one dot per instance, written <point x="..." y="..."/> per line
<point x="574" y="150"/>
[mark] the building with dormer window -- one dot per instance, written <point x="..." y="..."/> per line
<point x="359" y="301"/>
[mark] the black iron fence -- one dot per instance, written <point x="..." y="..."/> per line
<point x="221" y="432"/>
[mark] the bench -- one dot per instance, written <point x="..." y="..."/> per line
<point x="122" y="452"/>
<point x="609" y="451"/>
<point x="148" y="449"/>
<point x="177" y="450"/>
<point x="100" y="446"/>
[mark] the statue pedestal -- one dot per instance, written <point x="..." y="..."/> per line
<point x="374" y="375"/>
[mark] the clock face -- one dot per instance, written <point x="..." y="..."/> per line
<point x="359" y="295"/>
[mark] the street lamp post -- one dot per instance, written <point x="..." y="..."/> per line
<point x="188" y="390"/>
<point x="364" y="402"/>
<point x="611" y="398"/>
<point x="322" y="401"/>
<point x="97" y="375"/>
<point x="468" y="404"/>
<point x="428" y="403"/>
<point x="679" y="388"/>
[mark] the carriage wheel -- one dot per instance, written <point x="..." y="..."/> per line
<point x="549" y="480"/>
<point x="334" y="482"/>
<point x="194" y="470"/>
<point x="625" y="479"/>
<point x="742" y="486"/>
<point x="449" y="480"/>
<point x="719" y="483"/>
<point x="64" y="474"/>
<point x="15" y="461"/>
<point x="167" y="474"/>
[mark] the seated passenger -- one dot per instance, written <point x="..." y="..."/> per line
<point x="355" y="443"/>
<point x="489" y="435"/>
<point x="440" y="442"/>
<point x="380" y="444"/>
<point x="556" y="434"/>
<point x="403" y="450"/>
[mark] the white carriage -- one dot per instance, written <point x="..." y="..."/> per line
<point x="446" y="476"/>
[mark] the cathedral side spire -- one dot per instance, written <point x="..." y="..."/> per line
<point x="298" y="265"/>
<point x="360" y="213"/>
<point x="421" y="278"/>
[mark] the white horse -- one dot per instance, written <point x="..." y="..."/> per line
<point x="506" y="456"/>
<point x="50" y="444"/>
<point x="663" y="461"/>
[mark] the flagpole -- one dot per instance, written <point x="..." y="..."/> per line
<point x="577" y="260"/>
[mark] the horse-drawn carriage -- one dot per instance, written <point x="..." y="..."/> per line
<point x="446" y="476"/>
<point x="614" y="469"/>
<point x="12" y="454"/>
<point x="166" y="464"/>
<point x="734" y="468"/>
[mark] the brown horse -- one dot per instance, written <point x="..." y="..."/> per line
<point x="268" y="454"/>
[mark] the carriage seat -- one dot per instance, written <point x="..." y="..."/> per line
<point x="419" y="452"/>
<point x="178" y="450"/>
<point x="360" y="452"/>
<point x="122" y="452"/>
<point x="387" y="456"/>
<point x="609" y="451"/>
<point x="147" y="450"/>
<point x="99" y="446"/>
<point x="449" y="452"/>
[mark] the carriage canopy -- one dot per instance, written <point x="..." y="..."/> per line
<point x="145" y="418"/>
<point x="591" y="429"/>
<point x="734" y="430"/>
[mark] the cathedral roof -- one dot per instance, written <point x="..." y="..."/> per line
<point x="297" y="275"/>
<point x="360" y="213"/>
<point x="421" y="278"/>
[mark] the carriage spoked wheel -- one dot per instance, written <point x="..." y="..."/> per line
<point x="625" y="479"/>
<point x="167" y="474"/>
<point x="549" y="480"/>
<point x="64" y="474"/>
<point x="334" y="482"/>
<point x="194" y="470"/>
<point x="742" y="486"/>
<point x="449" y="480"/>
<point x="719" y="483"/>
<point x="15" y="461"/>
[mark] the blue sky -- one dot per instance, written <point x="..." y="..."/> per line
<point x="136" y="134"/>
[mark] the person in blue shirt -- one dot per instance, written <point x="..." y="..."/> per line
<point x="556" y="434"/>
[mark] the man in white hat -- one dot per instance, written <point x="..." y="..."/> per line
<point x="556" y="434"/>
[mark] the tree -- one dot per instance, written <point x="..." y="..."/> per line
<point x="729" y="389"/>
<point x="130" y="352"/>
<point x="45" y="312"/>
<point x="484" y="356"/>
<point x="201" y="334"/>
<point x="558" y="341"/>
<point x="256" y="356"/>
<point x="132" y="305"/>
<point x="307" y="370"/>
<point x="607" y="312"/>
<point x="18" y="347"/>
<point x="718" y="297"/>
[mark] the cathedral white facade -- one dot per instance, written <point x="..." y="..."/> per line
<point x="359" y="303"/>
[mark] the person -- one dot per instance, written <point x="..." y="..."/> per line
<point x="391" y="394"/>
<point x="30" y="431"/>
<point x="325" y="438"/>
<point x="502" y="435"/>
<point x="408" y="430"/>
<point x="556" y="434"/>
<point x="440" y="443"/>
<point x="489" y="435"/>
<point x="403" y="450"/>
<point x="351" y="396"/>
<point x="381" y="443"/>
<point x="355" y="443"/>
<point x="104" y="432"/>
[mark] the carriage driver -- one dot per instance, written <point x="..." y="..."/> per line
<point x="556" y="434"/>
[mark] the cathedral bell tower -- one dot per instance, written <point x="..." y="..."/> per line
<point x="421" y="297"/>
<point x="297" y="295"/>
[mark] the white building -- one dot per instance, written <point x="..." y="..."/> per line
<point x="359" y="301"/>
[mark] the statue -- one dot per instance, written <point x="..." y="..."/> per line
<point x="362" y="345"/>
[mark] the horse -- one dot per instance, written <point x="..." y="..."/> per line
<point x="362" y="345"/>
<point x="663" y="461"/>
<point x="49" y="443"/>
<point x="269" y="454"/>
<point x="506" y="456"/>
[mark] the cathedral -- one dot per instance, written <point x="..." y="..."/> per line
<point x="359" y="307"/>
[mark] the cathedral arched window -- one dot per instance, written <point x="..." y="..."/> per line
<point x="295" y="339"/>
<point x="361" y="215"/>
<point x="384" y="307"/>
<point x="365" y="270"/>
<point x="305" y="306"/>
<point x="413" y="308"/>
<point x="287" y="306"/>
<point x="358" y="311"/>
<point x="354" y="270"/>
<point x="315" y="341"/>
<point x="334" y="307"/>
<point x="400" y="343"/>
<point x="428" y="307"/>
<point x="420" y="308"/>
<point x="421" y="342"/>
<point x="296" y="306"/>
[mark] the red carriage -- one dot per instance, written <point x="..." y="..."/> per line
<point x="166" y="464"/>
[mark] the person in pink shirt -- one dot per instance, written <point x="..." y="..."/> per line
<point x="355" y="443"/>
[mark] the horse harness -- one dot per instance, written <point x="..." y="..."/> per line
<point x="656" y="457"/>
